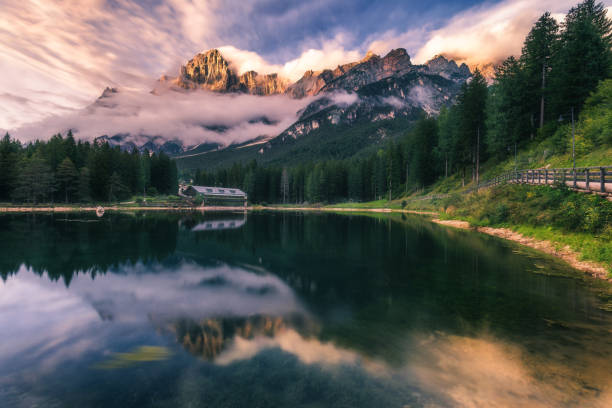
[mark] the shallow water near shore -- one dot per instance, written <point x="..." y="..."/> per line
<point x="291" y="309"/>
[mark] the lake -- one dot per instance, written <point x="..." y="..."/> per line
<point x="280" y="309"/>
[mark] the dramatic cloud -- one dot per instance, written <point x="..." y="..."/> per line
<point x="57" y="56"/>
<point x="490" y="33"/>
<point x="330" y="55"/>
<point x="192" y="117"/>
<point x="61" y="54"/>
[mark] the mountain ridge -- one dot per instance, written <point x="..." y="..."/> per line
<point x="210" y="70"/>
<point x="373" y="89"/>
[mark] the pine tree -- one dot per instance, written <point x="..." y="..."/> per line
<point x="8" y="165"/>
<point x="284" y="185"/>
<point x="472" y="114"/>
<point x="67" y="178"/>
<point x="423" y="140"/>
<point x="35" y="182"/>
<point x="116" y="188"/>
<point x="584" y="57"/>
<point x="508" y="115"/>
<point x="84" y="192"/>
<point x="537" y="52"/>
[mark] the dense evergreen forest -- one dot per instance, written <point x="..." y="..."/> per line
<point x="63" y="170"/>
<point x="562" y="72"/>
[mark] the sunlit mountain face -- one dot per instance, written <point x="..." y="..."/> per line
<point x="290" y="309"/>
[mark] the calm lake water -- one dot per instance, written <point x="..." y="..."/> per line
<point x="295" y="310"/>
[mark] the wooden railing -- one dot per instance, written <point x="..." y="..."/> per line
<point x="585" y="179"/>
<point x="596" y="180"/>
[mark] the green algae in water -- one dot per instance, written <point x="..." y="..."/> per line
<point x="142" y="354"/>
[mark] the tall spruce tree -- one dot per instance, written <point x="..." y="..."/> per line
<point x="9" y="158"/>
<point x="472" y="114"/>
<point x="35" y="182"/>
<point x="67" y="178"/>
<point x="538" y="49"/>
<point x="424" y="138"/>
<point x="84" y="192"/>
<point x="584" y="55"/>
<point x="508" y="116"/>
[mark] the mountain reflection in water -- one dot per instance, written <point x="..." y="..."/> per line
<point x="290" y="310"/>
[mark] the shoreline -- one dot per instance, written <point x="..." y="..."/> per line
<point x="594" y="269"/>
<point x="64" y="209"/>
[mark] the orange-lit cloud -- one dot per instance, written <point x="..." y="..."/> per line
<point x="490" y="33"/>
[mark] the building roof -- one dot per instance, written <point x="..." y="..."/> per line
<point x="219" y="191"/>
<point x="219" y="225"/>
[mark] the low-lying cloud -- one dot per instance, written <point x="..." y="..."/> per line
<point x="191" y="117"/>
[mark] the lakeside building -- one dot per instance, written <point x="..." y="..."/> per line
<point x="217" y="195"/>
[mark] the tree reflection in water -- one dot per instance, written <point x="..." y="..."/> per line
<point x="395" y="305"/>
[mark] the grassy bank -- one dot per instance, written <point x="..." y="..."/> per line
<point x="566" y="218"/>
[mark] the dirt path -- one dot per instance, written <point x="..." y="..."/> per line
<point x="567" y="254"/>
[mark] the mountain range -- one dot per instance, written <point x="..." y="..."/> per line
<point x="352" y="107"/>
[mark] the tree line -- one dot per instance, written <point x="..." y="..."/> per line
<point x="531" y="97"/>
<point x="64" y="170"/>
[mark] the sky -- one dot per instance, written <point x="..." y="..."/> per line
<point x="56" y="56"/>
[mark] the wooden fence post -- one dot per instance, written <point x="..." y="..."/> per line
<point x="546" y="177"/>
<point x="587" y="174"/>
<point x="603" y="179"/>
<point x="574" y="171"/>
<point x="539" y="176"/>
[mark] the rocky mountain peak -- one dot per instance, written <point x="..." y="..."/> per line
<point x="108" y="92"/>
<point x="372" y="69"/>
<point x="448" y="69"/>
<point x="369" y="55"/>
<point x="210" y="70"/>
<point x="398" y="53"/>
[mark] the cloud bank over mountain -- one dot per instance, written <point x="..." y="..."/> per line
<point x="191" y="117"/>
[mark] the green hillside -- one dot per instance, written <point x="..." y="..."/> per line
<point x="325" y="143"/>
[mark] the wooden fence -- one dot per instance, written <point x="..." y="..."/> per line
<point x="585" y="179"/>
<point x="596" y="180"/>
